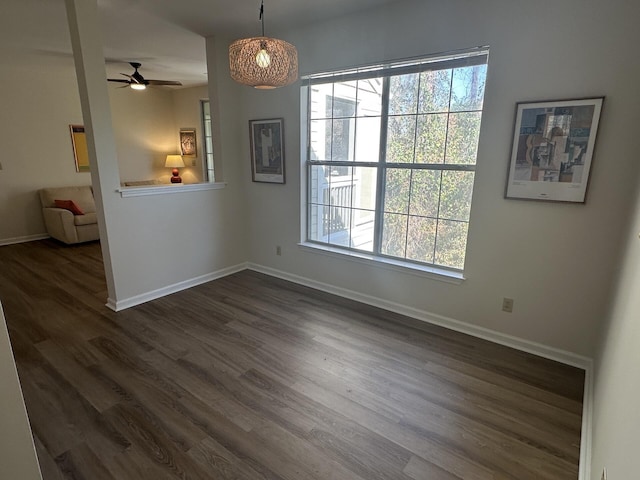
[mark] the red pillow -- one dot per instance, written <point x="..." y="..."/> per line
<point x="69" y="205"/>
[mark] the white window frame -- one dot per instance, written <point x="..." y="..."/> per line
<point x="208" y="169"/>
<point x="474" y="56"/>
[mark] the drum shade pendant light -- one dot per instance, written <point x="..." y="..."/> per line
<point x="263" y="62"/>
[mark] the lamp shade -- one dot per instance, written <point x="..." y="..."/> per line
<point x="174" y="161"/>
<point x="263" y="62"/>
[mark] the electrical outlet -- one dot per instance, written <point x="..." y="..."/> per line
<point x="604" y="474"/>
<point x="278" y="250"/>
<point x="507" y="304"/>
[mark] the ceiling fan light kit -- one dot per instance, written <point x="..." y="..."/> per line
<point x="263" y="62"/>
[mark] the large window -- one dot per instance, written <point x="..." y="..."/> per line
<point x="391" y="156"/>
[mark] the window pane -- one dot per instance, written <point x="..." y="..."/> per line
<point x="365" y="186"/>
<point x="425" y="193"/>
<point x="340" y="226"/>
<point x="368" y="139"/>
<point x="318" y="184"/>
<point x="435" y="88"/>
<point x="421" y="239"/>
<point x="432" y="137"/>
<point x="369" y="97"/>
<point x="451" y="243"/>
<point x="344" y="100"/>
<point x="342" y="141"/>
<point x="318" y="223"/>
<point x="401" y="132"/>
<point x="396" y="199"/>
<point x="462" y="138"/>
<point x="341" y="190"/>
<point x="403" y="94"/>
<point x="320" y="130"/>
<point x="362" y="223"/>
<point x="455" y="199"/>
<point x="394" y="235"/>
<point x="468" y="88"/>
<point x="318" y="101"/>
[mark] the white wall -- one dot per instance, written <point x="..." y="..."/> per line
<point x="556" y="260"/>
<point x="617" y="371"/>
<point x="17" y="453"/>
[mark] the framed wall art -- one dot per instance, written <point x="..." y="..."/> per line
<point x="552" y="149"/>
<point x="188" y="142"/>
<point x="267" y="150"/>
<point x="80" y="150"/>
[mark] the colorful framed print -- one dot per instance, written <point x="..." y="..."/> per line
<point x="553" y="145"/>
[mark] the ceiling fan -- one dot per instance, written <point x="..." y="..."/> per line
<point x="138" y="82"/>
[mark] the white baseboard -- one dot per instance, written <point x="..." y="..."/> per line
<point x="119" y="305"/>
<point x="26" y="238"/>
<point x="528" y="346"/>
<point x="524" y="345"/>
<point x="587" y="425"/>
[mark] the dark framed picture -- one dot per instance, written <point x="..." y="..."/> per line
<point x="552" y="150"/>
<point x="267" y="150"/>
<point x="188" y="142"/>
<point x="80" y="150"/>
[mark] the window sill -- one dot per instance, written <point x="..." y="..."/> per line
<point x="168" y="189"/>
<point x="426" y="271"/>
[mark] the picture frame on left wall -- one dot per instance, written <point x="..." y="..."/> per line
<point x="80" y="150"/>
<point x="267" y="150"/>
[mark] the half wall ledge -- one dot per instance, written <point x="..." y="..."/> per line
<point x="168" y="189"/>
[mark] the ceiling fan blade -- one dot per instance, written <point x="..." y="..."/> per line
<point x="119" y="80"/>
<point x="163" y="82"/>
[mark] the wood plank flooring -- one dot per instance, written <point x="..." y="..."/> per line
<point x="251" y="377"/>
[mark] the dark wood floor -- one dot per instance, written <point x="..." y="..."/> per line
<point x="251" y="377"/>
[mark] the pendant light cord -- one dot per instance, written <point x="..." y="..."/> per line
<point x="262" y="16"/>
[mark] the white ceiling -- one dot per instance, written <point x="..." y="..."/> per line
<point x="166" y="36"/>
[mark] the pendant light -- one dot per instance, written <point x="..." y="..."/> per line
<point x="263" y="62"/>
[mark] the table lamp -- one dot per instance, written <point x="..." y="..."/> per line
<point x="175" y="162"/>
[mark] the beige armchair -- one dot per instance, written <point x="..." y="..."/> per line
<point x="61" y="223"/>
